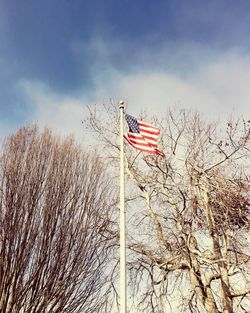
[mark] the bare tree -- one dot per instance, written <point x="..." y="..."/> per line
<point x="56" y="203"/>
<point x="189" y="216"/>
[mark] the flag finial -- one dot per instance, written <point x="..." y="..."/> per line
<point x="121" y="104"/>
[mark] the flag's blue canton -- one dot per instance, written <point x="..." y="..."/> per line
<point x="132" y="124"/>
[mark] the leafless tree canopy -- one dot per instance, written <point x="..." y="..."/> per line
<point x="55" y="208"/>
<point x="188" y="214"/>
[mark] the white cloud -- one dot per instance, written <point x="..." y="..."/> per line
<point x="216" y="89"/>
<point x="62" y="114"/>
<point x="228" y="83"/>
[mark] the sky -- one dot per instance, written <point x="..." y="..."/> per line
<point x="58" y="56"/>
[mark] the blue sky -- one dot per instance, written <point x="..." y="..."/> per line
<point x="57" y="56"/>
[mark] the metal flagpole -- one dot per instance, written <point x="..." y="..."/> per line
<point x="123" y="284"/>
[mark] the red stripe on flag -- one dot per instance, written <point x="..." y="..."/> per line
<point x="143" y="144"/>
<point x="150" y="150"/>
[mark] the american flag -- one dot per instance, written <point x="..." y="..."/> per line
<point x="142" y="136"/>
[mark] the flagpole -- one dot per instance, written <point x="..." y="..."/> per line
<point x="123" y="284"/>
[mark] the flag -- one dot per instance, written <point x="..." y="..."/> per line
<point x="142" y="136"/>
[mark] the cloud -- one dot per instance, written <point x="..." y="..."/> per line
<point x="217" y="89"/>
<point x="228" y="81"/>
<point x="188" y="74"/>
<point x="53" y="110"/>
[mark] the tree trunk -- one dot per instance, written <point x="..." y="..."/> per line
<point x="226" y="300"/>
